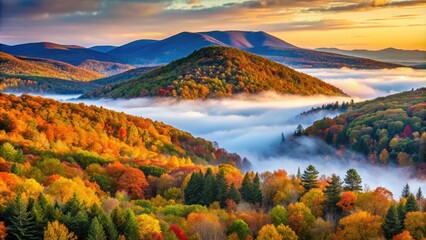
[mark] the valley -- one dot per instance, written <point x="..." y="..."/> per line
<point x="212" y="120"/>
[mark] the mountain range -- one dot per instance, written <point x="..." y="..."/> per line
<point x="413" y="58"/>
<point x="158" y="52"/>
<point x="217" y="72"/>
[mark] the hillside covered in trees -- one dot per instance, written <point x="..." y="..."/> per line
<point x="70" y="171"/>
<point x="38" y="67"/>
<point x="388" y="130"/>
<point x="217" y="72"/>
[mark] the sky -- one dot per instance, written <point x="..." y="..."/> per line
<point x="350" y="24"/>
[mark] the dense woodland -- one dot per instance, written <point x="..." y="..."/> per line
<point x="217" y="72"/>
<point x="71" y="171"/>
<point x="37" y="67"/>
<point x="388" y="130"/>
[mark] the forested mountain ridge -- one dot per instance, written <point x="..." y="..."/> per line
<point x="38" y="67"/>
<point x="388" y="130"/>
<point x="217" y="72"/>
<point x="39" y="125"/>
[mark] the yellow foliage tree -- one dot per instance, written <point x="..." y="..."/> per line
<point x="268" y="232"/>
<point x="63" y="189"/>
<point x="286" y="232"/>
<point x="415" y="223"/>
<point x="359" y="226"/>
<point x="148" y="226"/>
<point x="58" y="231"/>
<point x="314" y="200"/>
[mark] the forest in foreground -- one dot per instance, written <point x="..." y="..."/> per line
<point x="70" y="171"/>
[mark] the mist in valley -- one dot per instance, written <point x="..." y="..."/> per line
<point x="252" y="126"/>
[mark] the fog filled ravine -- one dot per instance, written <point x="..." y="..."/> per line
<point x="253" y="125"/>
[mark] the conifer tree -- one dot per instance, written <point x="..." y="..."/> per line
<point x="411" y="205"/>
<point x="353" y="181"/>
<point x="309" y="178"/>
<point x="109" y="227"/>
<point x="73" y="205"/>
<point x="94" y="211"/>
<point x="392" y="225"/>
<point x="193" y="192"/>
<point x="255" y="190"/>
<point x="222" y="188"/>
<point x="419" y="194"/>
<point x="245" y="189"/>
<point x="20" y="221"/>
<point x="209" y="188"/>
<point x="119" y="220"/>
<point x="96" y="231"/>
<point x="233" y="194"/>
<point x="79" y="224"/>
<point x="298" y="175"/>
<point x="401" y="213"/>
<point x="39" y="218"/>
<point x="405" y="191"/>
<point x="332" y="194"/>
<point x="131" y="229"/>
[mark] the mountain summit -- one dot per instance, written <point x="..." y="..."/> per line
<point x="217" y="72"/>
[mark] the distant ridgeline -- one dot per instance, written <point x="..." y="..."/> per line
<point x="334" y="107"/>
<point x="387" y="130"/>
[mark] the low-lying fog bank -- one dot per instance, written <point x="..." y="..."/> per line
<point x="369" y="84"/>
<point x="252" y="125"/>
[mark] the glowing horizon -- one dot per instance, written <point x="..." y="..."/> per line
<point x="355" y="24"/>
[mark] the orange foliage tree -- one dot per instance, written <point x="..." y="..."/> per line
<point x="347" y="201"/>
<point x="359" y="226"/>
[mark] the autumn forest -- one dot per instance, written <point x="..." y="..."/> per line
<point x="212" y="120"/>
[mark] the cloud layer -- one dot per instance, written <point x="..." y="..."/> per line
<point x="252" y="125"/>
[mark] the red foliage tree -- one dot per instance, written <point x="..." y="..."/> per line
<point x="133" y="181"/>
<point x="408" y="132"/>
<point x="178" y="232"/>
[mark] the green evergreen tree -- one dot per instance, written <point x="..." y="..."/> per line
<point x="255" y="190"/>
<point x="310" y="178"/>
<point x="96" y="231"/>
<point x="298" y="175"/>
<point x="39" y="217"/>
<point x="194" y="190"/>
<point x="209" y="188"/>
<point x="119" y="220"/>
<point x="353" y="181"/>
<point x="411" y="205"/>
<point x="222" y="188"/>
<point x="299" y="131"/>
<point x="131" y="229"/>
<point x="79" y="224"/>
<point x="401" y="213"/>
<point x="109" y="227"/>
<point x="20" y="221"/>
<point x="332" y="194"/>
<point x="419" y="194"/>
<point x="405" y="191"/>
<point x="73" y="206"/>
<point x="392" y="225"/>
<point x="95" y="210"/>
<point x="233" y="194"/>
<point x="245" y="189"/>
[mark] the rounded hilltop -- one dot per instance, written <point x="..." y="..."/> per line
<point x="217" y="71"/>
